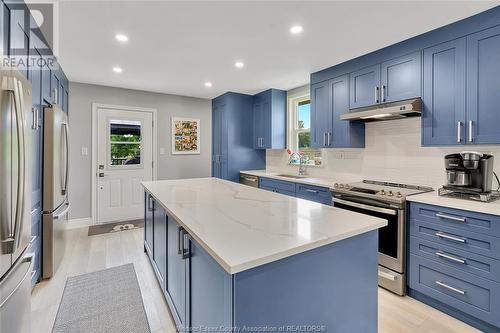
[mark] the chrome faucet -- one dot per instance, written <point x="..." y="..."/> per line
<point x="302" y="160"/>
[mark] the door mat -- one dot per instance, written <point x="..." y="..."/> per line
<point x="107" y="301"/>
<point x="115" y="227"/>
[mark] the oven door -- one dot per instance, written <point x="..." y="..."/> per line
<point x="391" y="245"/>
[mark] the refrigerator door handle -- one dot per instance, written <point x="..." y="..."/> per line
<point x="64" y="212"/>
<point x="27" y="258"/>
<point x="66" y="157"/>
<point x="19" y="103"/>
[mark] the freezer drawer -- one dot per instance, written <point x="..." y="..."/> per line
<point x="53" y="241"/>
<point x="15" y="297"/>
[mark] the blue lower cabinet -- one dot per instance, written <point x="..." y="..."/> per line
<point x="177" y="274"/>
<point x="279" y="186"/>
<point x="148" y="224"/>
<point x="160" y="244"/>
<point x="314" y="193"/>
<point x="465" y="292"/>
<point x="454" y="263"/>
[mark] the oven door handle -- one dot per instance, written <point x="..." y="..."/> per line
<point x="367" y="207"/>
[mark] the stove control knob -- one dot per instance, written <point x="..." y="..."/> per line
<point x="341" y="185"/>
<point x="346" y="186"/>
<point x="336" y="185"/>
<point x="399" y="195"/>
<point x="382" y="192"/>
<point x="390" y="194"/>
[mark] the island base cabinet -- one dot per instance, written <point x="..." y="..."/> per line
<point x="329" y="289"/>
<point x="332" y="288"/>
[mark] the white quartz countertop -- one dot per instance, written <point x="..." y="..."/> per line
<point x="325" y="182"/>
<point x="243" y="227"/>
<point x="433" y="198"/>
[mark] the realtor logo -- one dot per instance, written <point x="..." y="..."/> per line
<point x="33" y="33"/>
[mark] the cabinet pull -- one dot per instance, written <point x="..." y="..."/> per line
<point x="449" y="237"/>
<point x="250" y="179"/>
<point x="179" y="240"/>
<point x="459" y="131"/>
<point x="150" y="203"/>
<point x="383" y="93"/>
<point x="329" y="143"/>
<point x="311" y="191"/>
<point x="450" y="257"/>
<point x="34" y="125"/>
<point x="324" y="139"/>
<point x="452" y="218"/>
<point x="471" y="124"/>
<point x="444" y="285"/>
<point x="376" y="95"/>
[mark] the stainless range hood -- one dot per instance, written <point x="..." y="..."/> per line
<point x="389" y="111"/>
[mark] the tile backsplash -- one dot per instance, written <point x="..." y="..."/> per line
<point x="393" y="152"/>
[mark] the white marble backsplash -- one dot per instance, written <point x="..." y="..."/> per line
<point x="393" y="152"/>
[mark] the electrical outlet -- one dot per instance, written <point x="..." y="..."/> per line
<point x="85" y="151"/>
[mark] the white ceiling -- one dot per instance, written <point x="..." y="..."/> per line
<point x="174" y="47"/>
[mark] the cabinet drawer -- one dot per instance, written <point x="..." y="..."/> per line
<point x="277" y="190"/>
<point x="470" y="294"/>
<point x="460" y="219"/>
<point x="465" y="261"/>
<point x="314" y="193"/>
<point x="278" y="184"/>
<point x="465" y="240"/>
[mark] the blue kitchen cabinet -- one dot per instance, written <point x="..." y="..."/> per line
<point x="177" y="274"/>
<point x="314" y="193"/>
<point x="344" y="134"/>
<point x="148" y="224"/>
<point x="454" y="263"/>
<point x="401" y="78"/>
<point x="232" y="137"/>
<point x="269" y="112"/>
<point x="365" y="87"/>
<point x="321" y="115"/>
<point x="444" y="118"/>
<point x="393" y="80"/>
<point x="160" y="243"/>
<point x="329" y="100"/>
<point x="18" y="34"/>
<point x="483" y="82"/>
<point x="210" y="291"/>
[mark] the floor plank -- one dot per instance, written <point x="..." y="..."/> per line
<point x="86" y="254"/>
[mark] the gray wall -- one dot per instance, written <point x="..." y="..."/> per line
<point x="169" y="166"/>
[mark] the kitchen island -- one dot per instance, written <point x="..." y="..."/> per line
<point x="230" y="257"/>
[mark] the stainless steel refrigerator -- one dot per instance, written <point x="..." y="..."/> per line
<point x="16" y="261"/>
<point x="55" y="188"/>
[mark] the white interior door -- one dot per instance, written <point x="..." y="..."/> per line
<point x="124" y="160"/>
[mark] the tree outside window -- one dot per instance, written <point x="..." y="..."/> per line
<point x="302" y="132"/>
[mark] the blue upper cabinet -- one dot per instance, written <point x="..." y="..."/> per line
<point x="321" y="115"/>
<point x="401" y="78"/>
<point x="344" y="134"/>
<point x="443" y="121"/>
<point x="269" y="112"/>
<point x="483" y="87"/>
<point x="365" y="87"/>
<point x="393" y="80"/>
<point x="232" y="137"/>
<point x="329" y="100"/>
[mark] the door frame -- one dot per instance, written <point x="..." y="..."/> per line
<point x="95" y="108"/>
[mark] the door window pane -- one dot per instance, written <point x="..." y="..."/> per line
<point x="125" y="142"/>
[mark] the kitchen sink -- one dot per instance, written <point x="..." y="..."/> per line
<point x="292" y="176"/>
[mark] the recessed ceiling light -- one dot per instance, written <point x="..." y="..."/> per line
<point x="121" y="38"/>
<point x="208" y="84"/>
<point x="239" y="64"/>
<point x="296" y="29"/>
<point x="117" y="69"/>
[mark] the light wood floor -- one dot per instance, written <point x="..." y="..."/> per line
<point x="87" y="254"/>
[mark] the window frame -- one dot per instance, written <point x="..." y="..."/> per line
<point x="110" y="142"/>
<point x="294" y="101"/>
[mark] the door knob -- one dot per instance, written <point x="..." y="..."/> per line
<point x="101" y="174"/>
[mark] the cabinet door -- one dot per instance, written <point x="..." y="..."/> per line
<point x="18" y="38"/>
<point x="365" y="87"/>
<point x="176" y="274"/>
<point x="5" y="29"/>
<point x="483" y="87"/>
<point x="321" y="114"/>
<point x="54" y="87"/>
<point x="160" y="243"/>
<point x="267" y="121"/>
<point x="216" y="138"/>
<point x="401" y="78"/>
<point x="210" y="291"/>
<point x="66" y="100"/>
<point x="344" y="134"/>
<point x="258" y="123"/>
<point x="148" y="224"/>
<point x="443" y="118"/>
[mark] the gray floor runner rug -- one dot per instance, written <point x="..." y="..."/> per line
<point x="105" y="301"/>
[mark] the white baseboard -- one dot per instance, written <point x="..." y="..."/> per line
<point x="79" y="223"/>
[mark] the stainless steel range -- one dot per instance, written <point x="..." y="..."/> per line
<point x="388" y="201"/>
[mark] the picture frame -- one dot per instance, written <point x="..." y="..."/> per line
<point x="185" y="136"/>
